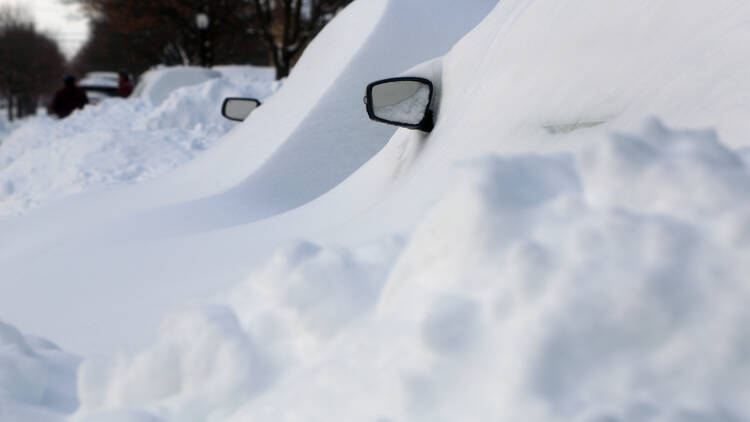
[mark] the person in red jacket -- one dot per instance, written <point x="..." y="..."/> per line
<point x="67" y="99"/>
<point x="124" y="87"/>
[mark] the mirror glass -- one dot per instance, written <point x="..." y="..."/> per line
<point x="239" y="108"/>
<point x="401" y="101"/>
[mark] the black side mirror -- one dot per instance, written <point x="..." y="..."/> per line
<point x="403" y="101"/>
<point x="238" y="108"/>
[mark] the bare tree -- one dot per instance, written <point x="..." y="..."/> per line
<point x="31" y="63"/>
<point x="165" y="31"/>
<point x="136" y="34"/>
<point x="287" y="26"/>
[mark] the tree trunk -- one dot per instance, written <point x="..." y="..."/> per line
<point x="10" y="108"/>
<point x="282" y="69"/>
<point x="25" y="106"/>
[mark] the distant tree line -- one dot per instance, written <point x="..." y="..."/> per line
<point x="134" y="35"/>
<point x="31" y="63"/>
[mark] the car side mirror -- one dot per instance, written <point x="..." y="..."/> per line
<point x="238" y="108"/>
<point x="403" y="101"/>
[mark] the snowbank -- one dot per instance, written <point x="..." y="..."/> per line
<point x="489" y="270"/>
<point x="543" y="277"/>
<point x="246" y="72"/>
<point x="548" y="296"/>
<point x="545" y="295"/>
<point x="37" y="379"/>
<point x="300" y="143"/>
<point x="217" y="358"/>
<point x="157" y="84"/>
<point x="116" y="142"/>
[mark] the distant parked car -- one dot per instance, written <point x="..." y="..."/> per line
<point x="99" y="85"/>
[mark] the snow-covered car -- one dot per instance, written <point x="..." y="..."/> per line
<point x="99" y="85"/>
<point x="406" y="101"/>
<point x="157" y="84"/>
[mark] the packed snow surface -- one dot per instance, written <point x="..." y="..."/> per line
<point x="490" y="270"/>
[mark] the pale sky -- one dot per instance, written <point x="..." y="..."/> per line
<point x="63" y="22"/>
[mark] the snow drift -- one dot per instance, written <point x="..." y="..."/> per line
<point x="489" y="270"/>
<point x="157" y="84"/>
<point x="303" y="140"/>
<point x="117" y="141"/>
<point x="37" y="379"/>
<point x="544" y="296"/>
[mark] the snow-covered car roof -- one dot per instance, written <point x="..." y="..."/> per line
<point x="158" y="83"/>
<point x="99" y="79"/>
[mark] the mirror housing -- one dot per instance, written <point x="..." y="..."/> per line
<point x="402" y="101"/>
<point x="237" y="109"/>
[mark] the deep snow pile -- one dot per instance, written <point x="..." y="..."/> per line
<point x="120" y="141"/>
<point x="37" y="379"/>
<point x="545" y="296"/>
<point x="607" y="283"/>
<point x="157" y="84"/>
<point x="490" y="270"/>
<point x="307" y="138"/>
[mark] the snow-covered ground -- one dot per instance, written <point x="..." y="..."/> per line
<point x="314" y="265"/>
<point x="37" y="379"/>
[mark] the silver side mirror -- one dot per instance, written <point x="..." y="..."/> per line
<point x="403" y="101"/>
<point x="238" y="108"/>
